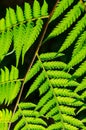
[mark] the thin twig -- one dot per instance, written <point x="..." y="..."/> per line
<point x="33" y="59"/>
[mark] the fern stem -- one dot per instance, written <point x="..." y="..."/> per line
<point x="25" y="21"/>
<point x="33" y="59"/>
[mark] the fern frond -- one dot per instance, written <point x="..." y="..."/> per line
<point x="27" y="11"/>
<point x="83" y="96"/>
<point x="59" y="126"/>
<point x="79" y="44"/>
<point x="54" y="65"/>
<point x="44" y="9"/>
<point x="12" y="16"/>
<point x="20" y="16"/>
<point x="4" y="47"/>
<point x="48" y="96"/>
<point x="28" y="118"/>
<point x="82" y="85"/>
<point x="2" y="25"/>
<point x="58" y="74"/>
<point x="44" y="57"/>
<point x="22" y="28"/>
<point x="36" y="83"/>
<point x="44" y="87"/>
<point x="73" y="121"/>
<point x="36" y="9"/>
<point x="80" y="25"/>
<point x="9" y="85"/>
<point x="50" y="56"/>
<point x="32" y="36"/>
<point x="7" y="18"/>
<point x="77" y="58"/>
<point x="67" y="21"/>
<point x="63" y="82"/>
<point x="66" y="93"/>
<point x="19" y="34"/>
<point x="55" y="88"/>
<point x="67" y="110"/>
<point x="61" y="7"/>
<point x="81" y="70"/>
<point x="69" y="101"/>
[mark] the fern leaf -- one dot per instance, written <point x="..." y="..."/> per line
<point x="73" y="121"/>
<point x="69" y="101"/>
<point x="59" y="82"/>
<point x="78" y="57"/>
<point x="27" y="105"/>
<point x="54" y="65"/>
<point x="28" y="31"/>
<point x="15" y="24"/>
<point x="79" y="44"/>
<point x="82" y="85"/>
<point x="13" y="17"/>
<point x="73" y="34"/>
<point x="50" y="56"/>
<point x="63" y="82"/>
<point x="5" y="118"/>
<point x="2" y="24"/>
<point x="27" y="11"/>
<point x="67" y="21"/>
<point x="61" y="7"/>
<point x="55" y="126"/>
<point x="20" y="16"/>
<point x="36" y="68"/>
<point x="28" y="118"/>
<point x="50" y="104"/>
<point x="19" y="34"/>
<point x="44" y="87"/>
<point x="52" y="112"/>
<point x="8" y="22"/>
<point x="83" y="96"/>
<point x="44" y="9"/>
<point x="67" y="110"/>
<point x="66" y="93"/>
<point x="48" y="96"/>
<point x="59" y="126"/>
<point x="81" y="70"/>
<point x="9" y="85"/>
<point x="36" y="9"/>
<point x="32" y="37"/>
<point x="36" y="83"/>
<point x="58" y="74"/>
<point x="7" y="37"/>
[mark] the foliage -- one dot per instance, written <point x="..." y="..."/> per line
<point x="53" y="87"/>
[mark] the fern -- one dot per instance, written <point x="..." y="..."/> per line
<point x="67" y="21"/>
<point x="29" y="119"/>
<point x="22" y="24"/>
<point x="9" y="85"/>
<point x="5" y="117"/>
<point x="50" y="93"/>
